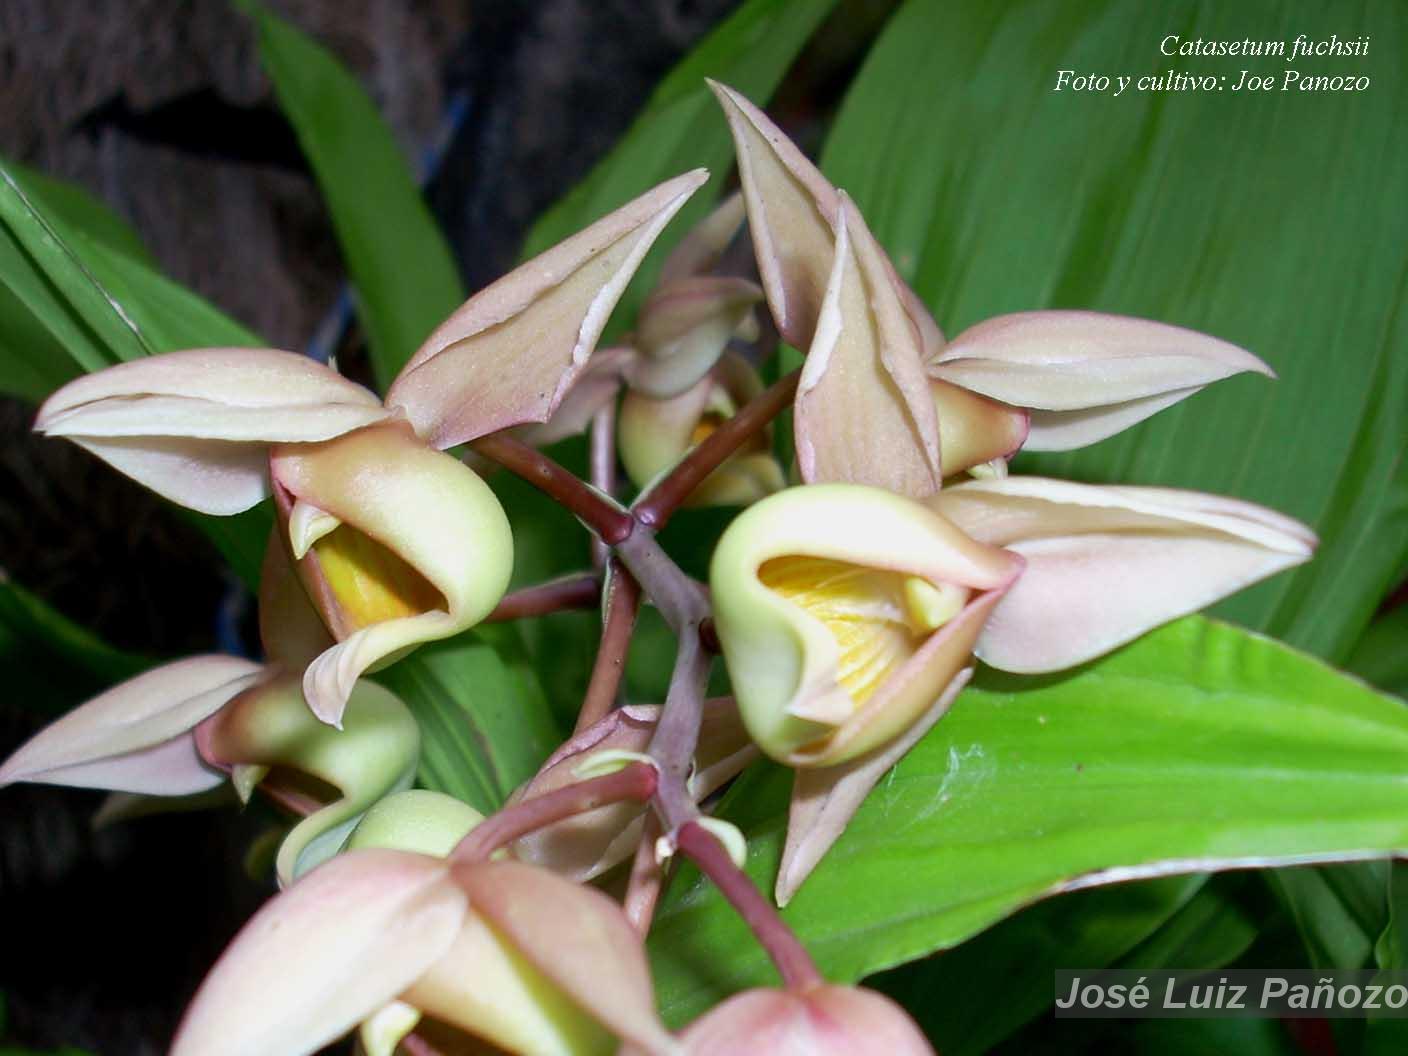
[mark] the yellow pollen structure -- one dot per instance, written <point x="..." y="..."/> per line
<point x="370" y="582"/>
<point x="878" y="618"/>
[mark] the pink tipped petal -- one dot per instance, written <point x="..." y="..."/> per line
<point x="1083" y="362"/>
<point x="865" y="412"/>
<point x="825" y="799"/>
<point x="578" y="938"/>
<point x="324" y="954"/>
<point x="700" y="250"/>
<point x="1105" y="564"/>
<point x="134" y="737"/>
<point x="825" y="1020"/>
<point x="510" y="354"/>
<point x="791" y="211"/>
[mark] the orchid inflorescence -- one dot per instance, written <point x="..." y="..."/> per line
<point x="850" y="602"/>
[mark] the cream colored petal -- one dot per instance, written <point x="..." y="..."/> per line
<point x="372" y="756"/>
<point x="509" y="355"/>
<point x="791" y="211"/>
<point x="289" y="627"/>
<point x="824" y="799"/>
<point x="577" y="937"/>
<point x="135" y="737"/>
<point x="323" y="955"/>
<point x="974" y="429"/>
<point x="283" y="386"/>
<point x="865" y="411"/>
<point x="218" y="477"/>
<point x="330" y="678"/>
<point x="1107" y="564"/>
<point x="1071" y="361"/>
<point x="484" y="986"/>
<point x="653" y="434"/>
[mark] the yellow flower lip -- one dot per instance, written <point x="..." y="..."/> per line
<point x="843" y="612"/>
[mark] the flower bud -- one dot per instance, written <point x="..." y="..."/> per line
<point x="396" y="544"/>
<point x="588" y="844"/>
<point x="824" y="1020"/>
<point x="655" y="434"/>
<point x="843" y="612"/>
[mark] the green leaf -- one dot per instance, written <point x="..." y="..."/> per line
<point x="1199" y="747"/>
<point x="956" y="997"/>
<point x="1381" y="656"/>
<point x="1274" y="220"/>
<point x="1339" y="910"/>
<point x="72" y="302"/>
<point x="79" y="210"/>
<point x="485" y="723"/>
<point x="48" y="662"/>
<point x="400" y="263"/>
<point x="681" y="127"/>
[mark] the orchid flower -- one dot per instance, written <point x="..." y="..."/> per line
<point x="187" y="726"/>
<point x="849" y="615"/>
<point x="396" y="542"/>
<point x="507" y="952"/>
<point x="878" y="365"/>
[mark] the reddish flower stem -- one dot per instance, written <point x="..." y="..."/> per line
<point x="647" y="879"/>
<point x="655" y="507"/>
<point x="579" y="591"/>
<point x="798" y="970"/>
<point x="634" y="781"/>
<point x="602" y="447"/>
<point x="598" y="512"/>
<point x="622" y="605"/>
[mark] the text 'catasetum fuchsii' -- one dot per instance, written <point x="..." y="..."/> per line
<point x="395" y="542"/>
<point x="849" y="615"/>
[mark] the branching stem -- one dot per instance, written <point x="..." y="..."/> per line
<point x="581" y="590"/>
<point x="619" y="623"/>
<point x="635" y="781"/>
<point x="602" y="514"/>
<point x="655" y="507"/>
<point x="798" y="970"/>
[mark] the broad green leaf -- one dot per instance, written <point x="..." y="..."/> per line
<point x="1200" y="747"/>
<point x="955" y="997"/>
<point x="485" y="723"/>
<point x="681" y="127"/>
<point x="1275" y="220"/>
<point x="48" y="662"/>
<point x="400" y="263"/>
